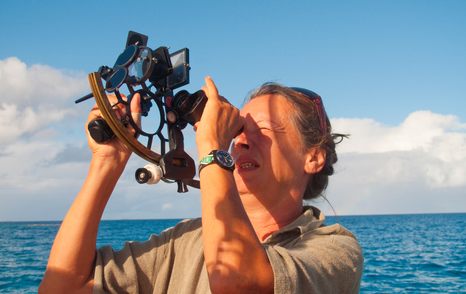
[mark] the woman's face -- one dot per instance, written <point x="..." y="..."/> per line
<point x="270" y="158"/>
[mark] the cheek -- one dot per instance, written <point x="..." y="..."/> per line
<point x="287" y="156"/>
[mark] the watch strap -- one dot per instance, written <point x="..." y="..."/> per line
<point x="212" y="158"/>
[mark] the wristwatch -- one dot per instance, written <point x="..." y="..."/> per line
<point x="220" y="157"/>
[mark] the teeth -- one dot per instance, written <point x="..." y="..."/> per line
<point x="247" y="165"/>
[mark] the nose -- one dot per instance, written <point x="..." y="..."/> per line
<point x="241" y="141"/>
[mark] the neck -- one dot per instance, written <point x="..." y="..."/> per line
<point x="267" y="218"/>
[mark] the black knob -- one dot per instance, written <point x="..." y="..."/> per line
<point x="143" y="175"/>
<point x="100" y="131"/>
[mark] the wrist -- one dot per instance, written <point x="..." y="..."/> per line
<point x="106" y="164"/>
<point x="218" y="157"/>
<point x="206" y="149"/>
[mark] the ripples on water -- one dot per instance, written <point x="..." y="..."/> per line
<point x="403" y="253"/>
<point x="411" y="253"/>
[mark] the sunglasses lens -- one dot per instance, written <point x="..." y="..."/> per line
<point x="317" y="100"/>
<point x="306" y="92"/>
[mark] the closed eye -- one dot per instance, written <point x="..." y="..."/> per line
<point x="268" y="126"/>
<point x="272" y="129"/>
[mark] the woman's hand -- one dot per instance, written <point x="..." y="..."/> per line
<point x="113" y="150"/>
<point x="219" y="124"/>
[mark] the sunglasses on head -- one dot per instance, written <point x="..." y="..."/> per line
<point x="317" y="100"/>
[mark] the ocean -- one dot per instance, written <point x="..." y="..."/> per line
<point x="419" y="253"/>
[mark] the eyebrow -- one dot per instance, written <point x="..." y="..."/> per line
<point x="276" y="126"/>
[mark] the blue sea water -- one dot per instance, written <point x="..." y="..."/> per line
<point x="422" y="253"/>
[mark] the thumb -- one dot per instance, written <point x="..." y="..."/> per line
<point x="210" y="89"/>
<point x="136" y="109"/>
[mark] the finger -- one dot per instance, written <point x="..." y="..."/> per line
<point x="210" y="89"/>
<point x="221" y="98"/>
<point x="112" y="98"/>
<point x="95" y="107"/>
<point x="94" y="113"/>
<point x="119" y="108"/>
<point x="241" y="124"/>
<point x="136" y="109"/>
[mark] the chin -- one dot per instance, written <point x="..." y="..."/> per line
<point x="247" y="187"/>
<point x="241" y="187"/>
<point x="240" y="184"/>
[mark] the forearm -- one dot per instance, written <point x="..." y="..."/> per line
<point x="233" y="254"/>
<point x="72" y="256"/>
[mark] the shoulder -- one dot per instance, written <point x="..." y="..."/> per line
<point x="334" y="245"/>
<point x="333" y="235"/>
<point x="322" y="258"/>
<point x="187" y="226"/>
<point x="328" y="237"/>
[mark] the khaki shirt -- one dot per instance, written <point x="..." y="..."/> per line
<point x="306" y="257"/>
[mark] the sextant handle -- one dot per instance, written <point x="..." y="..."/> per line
<point x="100" y="131"/>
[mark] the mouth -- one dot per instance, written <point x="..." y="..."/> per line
<point x="246" y="165"/>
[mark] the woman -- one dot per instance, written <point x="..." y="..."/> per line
<point x="254" y="235"/>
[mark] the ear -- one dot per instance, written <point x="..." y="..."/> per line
<point x="315" y="160"/>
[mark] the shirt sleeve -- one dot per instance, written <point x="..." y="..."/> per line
<point x="139" y="266"/>
<point x="317" y="263"/>
<point x="129" y="270"/>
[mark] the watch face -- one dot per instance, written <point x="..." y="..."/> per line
<point x="224" y="158"/>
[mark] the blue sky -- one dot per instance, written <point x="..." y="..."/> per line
<point x="392" y="73"/>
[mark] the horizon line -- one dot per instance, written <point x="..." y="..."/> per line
<point x="176" y="218"/>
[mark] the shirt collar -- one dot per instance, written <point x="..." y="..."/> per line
<point x="311" y="219"/>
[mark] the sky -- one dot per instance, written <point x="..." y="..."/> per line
<point x="392" y="75"/>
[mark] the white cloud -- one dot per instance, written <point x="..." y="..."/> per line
<point x="34" y="98"/>
<point x="416" y="166"/>
<point x="430" y="145"/>
<point x="37" y="84"/>
<point x="393" y="182"/>
<point x="420" y="130"/>
<point x="14" y="121"/>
